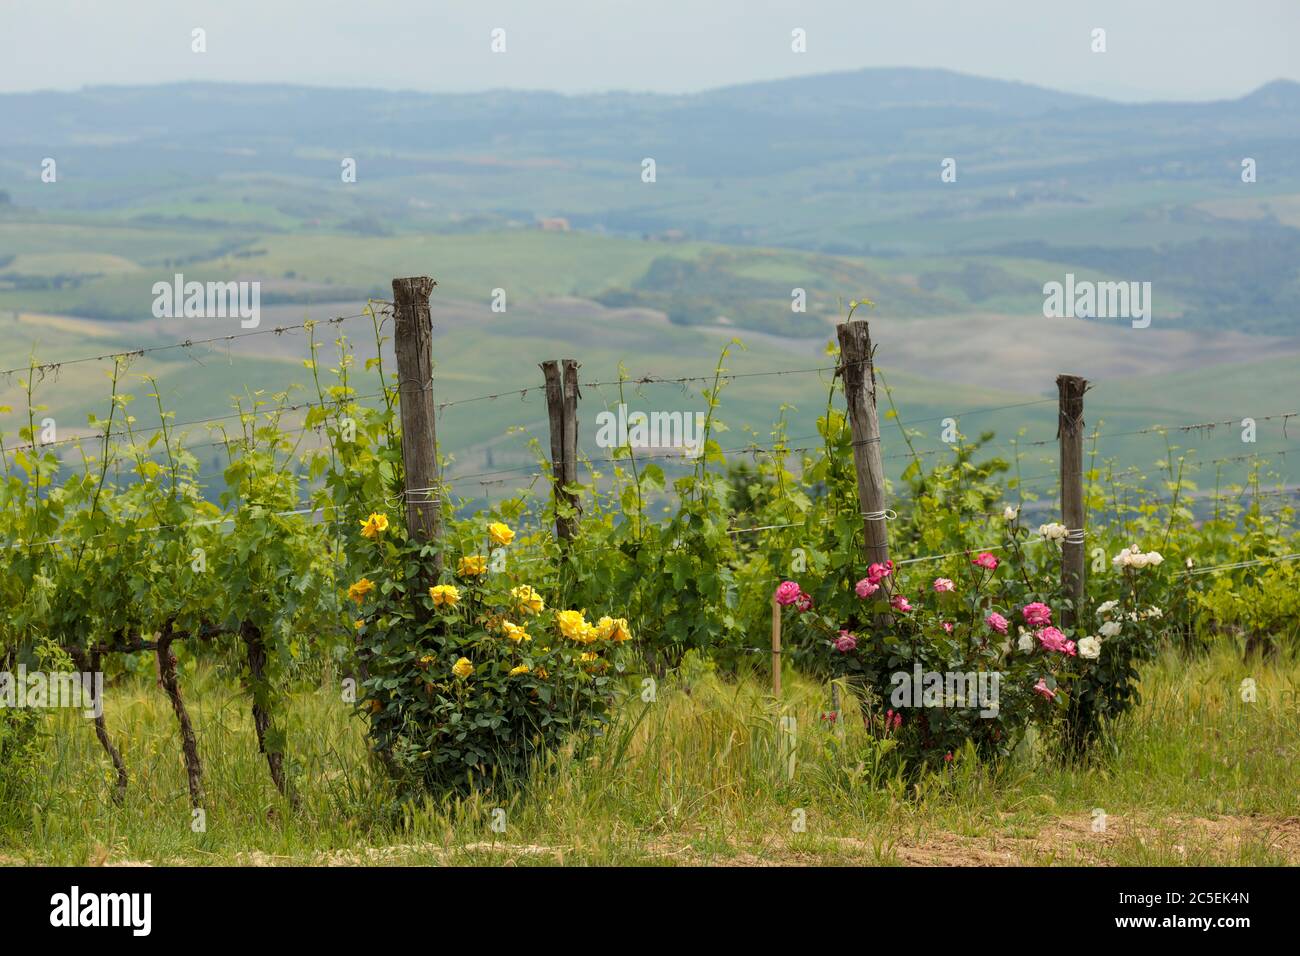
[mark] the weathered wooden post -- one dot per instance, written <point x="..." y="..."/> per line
<point x="562" y="411"/>
<point x="1070" y="389"/>
<point x="413" y="343"/>
<point x="860" y="396"/>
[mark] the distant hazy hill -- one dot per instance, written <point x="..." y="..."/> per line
<point x="895" y="124"/>
<point x="316" y="116"/>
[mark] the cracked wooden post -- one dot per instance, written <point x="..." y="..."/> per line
<point x="1081" y="718"/>
<point x="413" y="343"/>
<point x="860" y="396"/>
<point x="562" y="411"/>
<point x="1070" y="432"/>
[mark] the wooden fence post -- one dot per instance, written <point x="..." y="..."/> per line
<point x="860" y="396"/>
<point x="1070" y="432"/>
<point x="413" y="343"/>
<point x="562" y="410"/>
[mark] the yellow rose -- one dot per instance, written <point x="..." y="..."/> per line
<point x="358" y="591"/>
<point x="521" y="669"/>
<point x="615" y="629"/>
<point x="462" y="668"/>
<point x="500" y="534"/>
<point x="471" y="566"/>
<point x="445" y="594"/>
<point x="515" y="632"/>
<point x="358" y="624"/>
<point x="528" y="600"/>
<point x="575" y="627"/>
<point x="374" y="526"/>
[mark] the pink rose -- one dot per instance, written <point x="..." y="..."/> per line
<point x="1037" y="614"/>
<point x="866" y="587"/>
<point x="846" y="642"/>
<point x="985" y="560"/>
<point x="787" y="593"/>
<point x="943" y="584"/>
<point x="899" y="603"/>
<point x="1054" y="640"/>
<point x="947" y="758"/>
<point x="877" y="572"/>
<point x="947" y="626"/>
<point x="1042" y="688"/>
<point x="803" y="603"/>
<point x="892" y="720"/>
<point x="997" y="622"/>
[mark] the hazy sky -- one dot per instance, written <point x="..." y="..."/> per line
<point x="1184" y="49"/>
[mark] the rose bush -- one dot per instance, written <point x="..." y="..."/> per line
<point x="466" y="681"/>
<point x="927" y="650"/>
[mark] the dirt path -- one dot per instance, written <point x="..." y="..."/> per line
<point x="1072" y="840"/>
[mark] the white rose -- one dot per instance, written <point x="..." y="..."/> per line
<point x="1090" y="647"/>
<point x="1104" y="609"/>
<point x="1154" y="558"/>
<point x="1121" y="560"/>
<point x="1109" y="629"/>
<point x="1138" y="560"/>
<point x="1026" y="642"/>
<point x="1009" y="513"/>
<point x="1154" y="612"/>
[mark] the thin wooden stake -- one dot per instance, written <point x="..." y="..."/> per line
<point x="413" y="343"/>
<point x="776" y="648"/>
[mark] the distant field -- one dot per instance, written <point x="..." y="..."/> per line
<point x="989" y="372"/>
<point x="107" y="272"/>
<point x="959" y="336"/>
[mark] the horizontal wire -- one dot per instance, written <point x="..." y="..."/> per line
<point x="188" y="343"/>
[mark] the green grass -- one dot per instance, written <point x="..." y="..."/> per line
<point x="1196" y="777"/>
